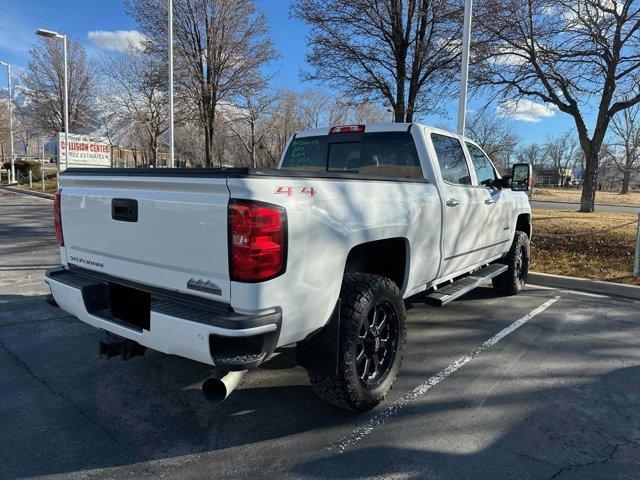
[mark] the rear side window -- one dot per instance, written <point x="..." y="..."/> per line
<point x="484" y="169"/>
<point x="453" y="164"/>
<point x="385" y="154"/>
<point x="307" y="153"/>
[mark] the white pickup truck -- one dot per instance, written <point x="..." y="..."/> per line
<point x="224" y="266"/>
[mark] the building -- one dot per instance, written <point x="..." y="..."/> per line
<point x="553" y="176"/>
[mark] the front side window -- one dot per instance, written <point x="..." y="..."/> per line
<point x="484" y="169"/>
<point x="453" y="164"/>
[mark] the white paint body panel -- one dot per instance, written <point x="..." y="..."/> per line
<point x="182" y="233"/>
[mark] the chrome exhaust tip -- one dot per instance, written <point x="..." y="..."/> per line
<point x="220" y="384"/>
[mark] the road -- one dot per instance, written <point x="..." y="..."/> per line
<point x="545" y="205"/>
<point x="555" y="398"/>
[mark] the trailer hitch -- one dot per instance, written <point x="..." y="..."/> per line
<point x="125" y="348"/>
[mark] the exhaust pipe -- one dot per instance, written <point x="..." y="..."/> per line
<point x="220" y="384"/>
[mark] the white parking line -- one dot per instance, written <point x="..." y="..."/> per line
<point x="359" y="433"/>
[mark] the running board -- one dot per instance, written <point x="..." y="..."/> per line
<point x="450" y="292"/>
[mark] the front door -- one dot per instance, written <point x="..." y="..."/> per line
<point x="463" y="207"/>
<point x="496" y="232"/>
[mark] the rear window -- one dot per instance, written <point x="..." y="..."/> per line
<point x="385" y="154"/>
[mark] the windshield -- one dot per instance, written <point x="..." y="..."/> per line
<point x="386" y="154"/>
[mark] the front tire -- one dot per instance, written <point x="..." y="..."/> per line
<point x="513" y="280"/>
<point x="371" y="344"/>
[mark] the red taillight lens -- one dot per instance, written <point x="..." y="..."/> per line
<point x="57" y="218"/>
<point x="257" y="240"/>
<point x="346" y="129"/>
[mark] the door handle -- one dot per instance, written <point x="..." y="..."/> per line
<point x="489" y="201"/>
<point x="453" y="202"/>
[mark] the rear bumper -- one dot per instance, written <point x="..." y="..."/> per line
<point x="205" y="331"/>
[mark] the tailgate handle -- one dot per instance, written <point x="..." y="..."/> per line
<point x="124" y="209"/>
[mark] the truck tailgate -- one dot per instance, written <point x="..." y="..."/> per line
<point x="168" y="232"/>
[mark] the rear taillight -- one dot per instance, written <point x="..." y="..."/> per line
<point x="57" y="218"/>
<point x="257" y="240"/>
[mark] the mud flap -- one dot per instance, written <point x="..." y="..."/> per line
<point x="319" y="352"/>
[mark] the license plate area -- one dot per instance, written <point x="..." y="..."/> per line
<point x="130" y="306"/>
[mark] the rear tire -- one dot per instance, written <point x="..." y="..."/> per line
<point x="513" y="280"/>
<point x="371" y="344"/>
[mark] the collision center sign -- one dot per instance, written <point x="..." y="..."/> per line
<point x="84" y="151"/>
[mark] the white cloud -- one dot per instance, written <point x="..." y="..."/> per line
<point x="119" y="40"/>
<point x="509" y="60"/>
<point x="526" y="110"/>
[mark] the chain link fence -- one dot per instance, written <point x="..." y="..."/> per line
<point x="39" y="180"/>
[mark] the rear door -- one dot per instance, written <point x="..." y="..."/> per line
<point x="463" y="206"/>
<point x="497" y="204"/>
<point x="164" y="231"/>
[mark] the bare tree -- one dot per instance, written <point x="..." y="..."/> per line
<point x="219" y="47"/>
<point x="319" y="109"/>
<point x="286" y="121"/>
<point x="43" y="86"/>
<point x="397" y="51"/>
<point x="25" y="126"/>
<point x="251" y="123"/>
<point x="625" y="144"/>
<point x="368" y="112"/>
<point x="4" y="131"/>
<point x="561" y="152"/>
<point x="533" y="154"/>
<point x="574" y="54"/>
<point x="495" y="135"/>
<point x="136" y="88"/>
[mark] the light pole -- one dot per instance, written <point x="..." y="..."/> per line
<point x="170" y="40"/>
<point x="51" y="34"/>
<point x="464" y="74"/>
<point x="12" y="179"/>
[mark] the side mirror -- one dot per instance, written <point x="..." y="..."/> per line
<point x="521" y="174"/>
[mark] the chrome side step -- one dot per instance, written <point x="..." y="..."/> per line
<point x="448" y="293"/>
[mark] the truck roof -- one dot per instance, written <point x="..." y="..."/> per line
<point x="376" y="127"/>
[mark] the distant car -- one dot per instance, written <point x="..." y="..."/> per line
<point x="223" y="266"/>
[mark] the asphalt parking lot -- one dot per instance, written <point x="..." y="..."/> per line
<point x="557" y="397"/>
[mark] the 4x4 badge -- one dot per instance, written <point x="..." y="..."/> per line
<point x="206" y="286"/>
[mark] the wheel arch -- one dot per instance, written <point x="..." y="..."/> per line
<point x="523" y="224"/>
<point x="387" y="257"/>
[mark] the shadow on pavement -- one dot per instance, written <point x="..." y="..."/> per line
<point x="584" y="431"/>
<point x="62" y="409"/>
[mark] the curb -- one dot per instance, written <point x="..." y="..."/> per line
<point x="584" y="285"/>
<point x="32" y="193"/>
<point x="578" y="203"/>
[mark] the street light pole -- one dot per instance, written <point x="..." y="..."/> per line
<point x="66" y="104"/>
<point x="12" y="178"/>
<point x="464" y="74"/>
<point x="170" y="40"/>
<point x="51" y="34"/>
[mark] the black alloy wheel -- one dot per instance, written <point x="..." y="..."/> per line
<point x="522" y="263"/>
<point x="372" y="338"/>
<point x="377" y="344"/>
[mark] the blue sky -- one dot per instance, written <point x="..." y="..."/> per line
<point x="19" y="19"/>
